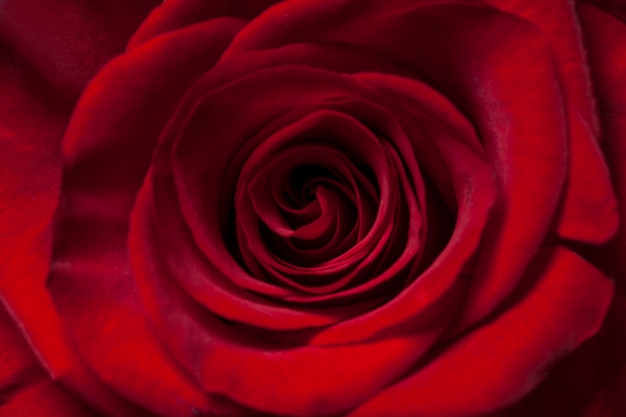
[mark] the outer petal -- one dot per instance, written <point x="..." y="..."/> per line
<point x="49" y="51"/>
<point x="587" y="191"/>
<point x="606" y="39"/>
<point x="503" y="360"/>
<point x="99" y="124"/>
<point x="67" y="41"/>
<point x="587" y="383"/>
<point x="177" y="14"/>
<point x="604" y="26"/>
<point x="25" y="388"/>
<point x="32" y="119"/>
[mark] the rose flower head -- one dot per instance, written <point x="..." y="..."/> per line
<point x="355" y="208"/>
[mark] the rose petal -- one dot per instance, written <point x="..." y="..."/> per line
<point x="604" y="35"/>
<point x="25" y="388"/>
<point x="300" y="380"/>
<point x="177" y="14"/>
<point x="157" y="260"/>
<point x="559" y="23"/>
<point x="34" y="118"/>
<point x="99" y="196"/>
<point x="589" y="208"/>
<point x="449" y="139"/>
<point x="562" y="309"/>
<point x="355" y="140"/>
<point x="611" y="7"/>
<point x="69" y="40"/>
<point x="106" y="322"/>
<point x="588" y="196"/>
<point x="586" y="383"/>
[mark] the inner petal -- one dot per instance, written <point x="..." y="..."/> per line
<point x="349" y="205"/>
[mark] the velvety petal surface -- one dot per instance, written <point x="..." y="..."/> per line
<point x="26" y="390"/>
<point x="34" y="110"/>
<point x="178" y="14"/>
<point x="67" y="41"/>
<point x="139" y="78"/>
<point x="563" y="308"/>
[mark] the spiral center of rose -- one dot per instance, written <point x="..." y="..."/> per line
<point x="313" y="212"/>
<point x="321" y="205"/>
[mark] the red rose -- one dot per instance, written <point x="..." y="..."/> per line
<point x="312" y="208"/>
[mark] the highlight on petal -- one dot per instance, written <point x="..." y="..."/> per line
<point x="502" y="360"/>
<point x="25" y="388"/>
